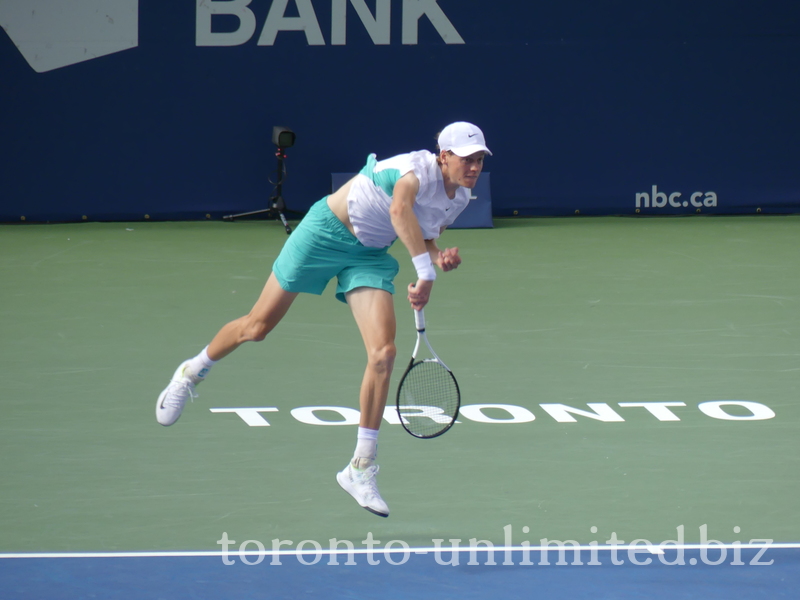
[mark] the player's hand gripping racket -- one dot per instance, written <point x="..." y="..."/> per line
<point x="428" y="397"/>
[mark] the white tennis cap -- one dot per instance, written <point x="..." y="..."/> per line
<point x="462" y="139"/>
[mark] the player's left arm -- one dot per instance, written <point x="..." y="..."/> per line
<point x="447" y="259"/>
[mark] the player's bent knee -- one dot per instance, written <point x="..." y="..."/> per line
<point x="382" y="358"/>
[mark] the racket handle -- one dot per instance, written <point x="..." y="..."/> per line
<point x="419" y="319"/>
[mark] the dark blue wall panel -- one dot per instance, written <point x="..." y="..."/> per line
<point x="585" y="104"/>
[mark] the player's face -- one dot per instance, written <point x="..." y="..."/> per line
<point x="463" y="171"/>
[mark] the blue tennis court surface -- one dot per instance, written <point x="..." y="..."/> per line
<point x="774" y="574"/>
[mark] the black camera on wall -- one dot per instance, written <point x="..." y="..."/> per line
<point x="283" y="137"/>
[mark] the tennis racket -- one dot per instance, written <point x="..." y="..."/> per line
<point x="428" y="397"/>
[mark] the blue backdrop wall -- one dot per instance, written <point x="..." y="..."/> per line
<point x="117" y="109"/>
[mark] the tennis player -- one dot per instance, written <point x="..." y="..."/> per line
<point x="347" y="235"/>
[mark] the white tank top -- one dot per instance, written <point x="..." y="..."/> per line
<point x="371" y="195"/>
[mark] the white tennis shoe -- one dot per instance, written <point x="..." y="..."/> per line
<point x="172" y="400"/>
<point x="361" y="485"/>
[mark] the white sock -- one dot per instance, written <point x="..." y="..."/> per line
<point x="366" y="444"/>
<point x="200" y="365"/>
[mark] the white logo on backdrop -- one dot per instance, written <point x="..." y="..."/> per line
<point x="658" y="199"/>
<point x="56" y="33"/>
<point x="51" y="34"/>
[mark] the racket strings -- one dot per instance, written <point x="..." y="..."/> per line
<point x="428" y="399"/>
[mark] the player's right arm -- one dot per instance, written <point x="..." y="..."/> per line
<point x="407" y="228"/>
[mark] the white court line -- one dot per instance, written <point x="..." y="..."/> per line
<point x="652" y="549"/>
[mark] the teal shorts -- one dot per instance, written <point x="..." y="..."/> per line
<point x="321" y="248"/>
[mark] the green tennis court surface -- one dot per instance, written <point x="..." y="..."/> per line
<point x="693" y="323"/>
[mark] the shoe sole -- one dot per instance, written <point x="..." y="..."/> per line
<point x="344" y="487"/>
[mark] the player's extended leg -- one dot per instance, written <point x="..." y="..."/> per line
<point x="373" y="310"/>
<point x="269" y="309"/>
